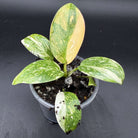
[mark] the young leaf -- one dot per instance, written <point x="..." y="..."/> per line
<point x="67" y="33"/>
<point x="68" y="111"/>
<point x="39" y="72"/>
<point x="38" y="45"/>
<point x="91" y="81"/>
<point x="103" y="68"/>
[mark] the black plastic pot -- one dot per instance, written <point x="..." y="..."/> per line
<point x="48" y="109"/>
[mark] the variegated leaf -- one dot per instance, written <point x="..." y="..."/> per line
<point x="103" y="68"/>
<point x="38" y="45"/>
<point x="39" y="72"/>
<point x="67" y="33"/>
<point x="91" y="81"/>
<point x="67" y="110"/>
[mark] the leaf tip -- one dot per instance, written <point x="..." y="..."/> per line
<point x="14" y="82"/>
<point x="22" y="41"/>
<point x="70" y="4"/>
<point x="68" y="132"/>
<point x="122" y="81"/>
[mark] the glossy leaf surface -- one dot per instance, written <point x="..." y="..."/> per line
<point x="39" y="72"/>
<point x="67" y="110"/>
<point x="67" y="33"/>
<point x="103" y="68"/>
<point x="38" y="45"/>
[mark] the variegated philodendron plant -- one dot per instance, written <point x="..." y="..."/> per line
<point x="66" y="36"/>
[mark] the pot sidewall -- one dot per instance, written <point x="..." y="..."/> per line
<point x="48" y="109"/>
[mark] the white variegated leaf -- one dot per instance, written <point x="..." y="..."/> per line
<point x="38" y="45"/>
<point x="67" y="33"/>
<point x="39" y="72"/>
<point x="103" y="68"/>
<point x="67" y="110"/>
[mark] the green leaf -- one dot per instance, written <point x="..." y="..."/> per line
<point x="67" y="110"/>
<point x="38" y="45"/>
<point x="103" y="68"/>
<point x="67" y="33"/>
<point x="91" y="81"/>
<point x="39" y="72"/>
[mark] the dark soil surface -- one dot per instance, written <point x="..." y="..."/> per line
<point x="75" y="83"/>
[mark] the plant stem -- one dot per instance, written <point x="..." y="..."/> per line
<point x="65" y="70"/>
<point x="72" y="71"/>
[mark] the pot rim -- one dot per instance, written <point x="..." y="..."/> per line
<point x="83" y="105"/>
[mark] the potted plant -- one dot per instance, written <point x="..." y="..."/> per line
<point x="60" y="81"/>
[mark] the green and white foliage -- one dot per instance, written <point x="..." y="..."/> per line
<point x="66" y="36"/>
<point x="91" y="81"/>
<point x="39" y="72"/>
<point x="103" y="68"/>
<point x="67" y="33"/>
<point x="38" y="45"/>
<point x="68" y="111"/>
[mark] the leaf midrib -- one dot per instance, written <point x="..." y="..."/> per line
<point x="111" y="74"/>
